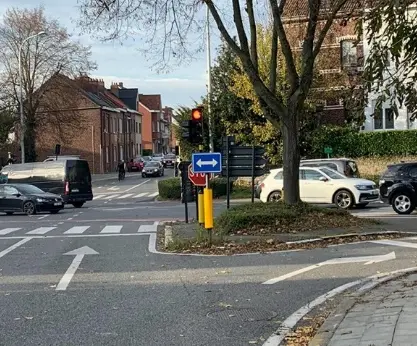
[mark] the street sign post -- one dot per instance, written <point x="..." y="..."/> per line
<point x="328" y="151"/>
<point x="206" y="162"/>
<point x="198" y="179"/>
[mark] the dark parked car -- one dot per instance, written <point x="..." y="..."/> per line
<point x="69" y="178"/>
<point x="153" y="169"/>
<point x="398" y="187"/>
<point x="29" y="199"/>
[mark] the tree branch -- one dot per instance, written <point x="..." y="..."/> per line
<point x="274" y="61"/>
<point x="237" y="17"/>
<point x="253" y="35"/>
<point x="285" y="46"/>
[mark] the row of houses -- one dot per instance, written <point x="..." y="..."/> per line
<point x="340" y="64"/>
<point x="106" y="125"/>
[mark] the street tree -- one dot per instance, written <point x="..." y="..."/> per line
<point x="170" y="25"/>
<point x="42" y="58"/>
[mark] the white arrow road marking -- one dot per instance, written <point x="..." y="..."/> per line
<point x="200" y="163"/>
<point x="366" y="259"/>
<point x="395" y="243"/>
<point x="79" y="255"/>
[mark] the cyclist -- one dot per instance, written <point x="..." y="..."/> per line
<point x="122" y="170"/>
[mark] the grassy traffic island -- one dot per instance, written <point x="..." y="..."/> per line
<point x="266" y="227"/>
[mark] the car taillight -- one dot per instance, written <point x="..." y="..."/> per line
<point x="67" y="188"/>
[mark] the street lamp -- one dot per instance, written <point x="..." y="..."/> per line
<point x="22" y="119"/>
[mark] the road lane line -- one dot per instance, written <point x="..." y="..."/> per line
<point x="41" y="230"/>
<point x="394" y="243"/>
<point x="148" y="228"/>
<point x="154" y="194"/>
<point x="42" y="217"/>
<point x="98" y="197"/>
<point x="112" y="229"/>
<point x="77" y="230"/>
<point x="134" y="187"/>
<point x="110" y="196"/>
<point x="125" y="196"/>
<point x="15" y="246"/>
<point x="143" y="194"/>
<point x="8" y="230"/>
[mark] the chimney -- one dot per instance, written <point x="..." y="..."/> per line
<point x="121" y="85"/>
<point x="114" y="89"/>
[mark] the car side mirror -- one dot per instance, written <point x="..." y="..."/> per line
<point x="324" y="179"/>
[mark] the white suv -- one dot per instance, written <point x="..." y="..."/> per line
<point x="323" y="185"/>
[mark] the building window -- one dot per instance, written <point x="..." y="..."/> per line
<point x="107" y="154"/>
<point x="349" y="54"/>
<point x="378" y="121"/>
<point x="140" y="128"/>
<point x="114" y="154"/>
<point x="120" y="126"/>
<point x="389" y="118"/>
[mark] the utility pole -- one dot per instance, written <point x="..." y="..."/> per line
<point x="211" y="142"/>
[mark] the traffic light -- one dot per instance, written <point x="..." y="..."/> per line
<point x="196" y="126"/>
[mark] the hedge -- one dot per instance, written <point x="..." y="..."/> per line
<point x="348" y="142"/>
<point x="170" y="188"/>
<point x="219" y="186"/>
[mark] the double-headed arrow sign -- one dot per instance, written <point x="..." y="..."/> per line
<point x="79" y="255"/>
<point x="201" y="163"/>
<point x="206" y="162"/>
<point x="366" y="259"/>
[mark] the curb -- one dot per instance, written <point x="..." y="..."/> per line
<point x="330" y="325"/>
<point x="321" y="338"/>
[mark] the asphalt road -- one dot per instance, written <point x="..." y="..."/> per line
<point x="87" y="277"/>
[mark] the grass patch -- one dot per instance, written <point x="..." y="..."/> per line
<point x="275" y="218"/>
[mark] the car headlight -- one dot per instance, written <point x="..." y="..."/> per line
<point x="155" y="170"/>
<point x="363" y="187"/>
<point x="40" y="200"/>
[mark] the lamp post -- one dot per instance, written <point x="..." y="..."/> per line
<point x="22" y="117"/>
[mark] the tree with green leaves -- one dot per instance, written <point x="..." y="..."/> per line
<point x="175" y="25"/>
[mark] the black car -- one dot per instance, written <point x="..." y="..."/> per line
<point x="153" y="169"/>
<point x="398" y="187"/>
<point x="29" y="199"/>
<point x="69" y="178"/>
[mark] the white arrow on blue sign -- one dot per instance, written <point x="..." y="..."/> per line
<point x="206" y="162"/>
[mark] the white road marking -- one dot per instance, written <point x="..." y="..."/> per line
<point x="98" y="197"/>
<point x="114" y="188"/>
<point x="149" y="228"/>
<point x="110" y="196"/>
<point x="77" y="230"/>
<point x="41" y="230"/>
<point x="367" y="259"/>
<point x="8" y="230"/>
<point x="125" y="196"/>
<point x="154" y="194"/>
<point x="42" y="217"/>
<point x="395" y="243"/>
<point x="15" y="246"/>
<point x="79" y="255"/>
<point x="143" y="194"/>
<point x="112" y="229"/>
<point x="134" y="187"/>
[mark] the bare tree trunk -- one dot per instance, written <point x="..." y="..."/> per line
<point x="291" y="156"/>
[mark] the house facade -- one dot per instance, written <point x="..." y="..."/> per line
<point x="168" y="115"/>
<point x="155" y="130"/>
<point x="106" y="133"/>
<point x="385" y="119"/>
<point x="338" y="64"/>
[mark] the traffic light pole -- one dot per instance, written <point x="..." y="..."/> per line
<point x="211" y="142"/>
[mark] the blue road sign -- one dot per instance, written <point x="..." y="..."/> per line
<point x="207" y="162"/>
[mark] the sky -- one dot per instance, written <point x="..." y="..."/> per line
<point x="125" y="63"/>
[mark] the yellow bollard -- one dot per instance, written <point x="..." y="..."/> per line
<point x="208" y="208"/>
<point x="200" y="208"/>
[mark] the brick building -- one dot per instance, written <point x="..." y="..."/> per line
<point x="168" y="115"/>
<point x="340" y="61"/>
<point x="107" y="130"/>
<point x="155" y="126"/>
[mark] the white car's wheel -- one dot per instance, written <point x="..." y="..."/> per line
<point x="275" y="196"/>
<point x="343" y="199"/>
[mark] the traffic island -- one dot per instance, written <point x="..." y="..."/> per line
<point x="268" y="227"/>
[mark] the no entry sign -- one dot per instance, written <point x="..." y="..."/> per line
<point x="198" y="179"/>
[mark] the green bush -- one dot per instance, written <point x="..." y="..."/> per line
<point x="170" y="188"/>
<point x="147" y="152"/>
<point x="279" y="218"/>
<point x="348" y="142"/>
<point x="219" y="186"/>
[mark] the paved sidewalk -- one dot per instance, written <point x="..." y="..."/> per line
<point x="386" y="316"/>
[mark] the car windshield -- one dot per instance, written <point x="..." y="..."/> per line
<point x="158" y="155"/>
<point x="332" y="173"/>
<point x="171" y="157"/>
<point x="29" y="189"/>
<point x="138" y="159"/>
<point x="152" y="164"/>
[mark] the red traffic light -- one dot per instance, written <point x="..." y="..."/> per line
<point x="197" y="114"/>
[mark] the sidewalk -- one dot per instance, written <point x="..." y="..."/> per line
<point x="386" y="316"/>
